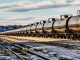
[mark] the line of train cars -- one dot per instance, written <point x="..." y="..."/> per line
<point x="65" y="27"/>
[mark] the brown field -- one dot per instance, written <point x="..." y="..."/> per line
<point x="28" y="39"/>
<point x="32" y="39"/>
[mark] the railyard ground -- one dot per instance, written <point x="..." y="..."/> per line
<point x="33" y="39"/>
<point x="54" y="49"/>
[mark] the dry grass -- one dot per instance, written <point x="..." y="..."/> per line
<point x="29" y="39"/>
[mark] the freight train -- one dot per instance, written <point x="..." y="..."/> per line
<point x="65" y="27"/>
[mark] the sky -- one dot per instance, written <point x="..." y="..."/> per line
<point x="23" y="12"/>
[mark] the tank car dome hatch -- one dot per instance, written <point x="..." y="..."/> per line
<point x="66" y="16"/>
<point x="31" y="24"/>
<point x="51" y="19"/>
<point x="44" y="21"/>
<point x="37" y="22"/>
<point x="78" y="12"/>
<point x="27" y="25"/>
<point x="40" y="22"/>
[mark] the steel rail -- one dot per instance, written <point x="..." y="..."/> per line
<point x="14" y="52"/>
<point x="31" y="52"/>
<point x="27" y="50"/>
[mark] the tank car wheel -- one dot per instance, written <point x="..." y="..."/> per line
<point x="68" y="36"/>
<point x="74" y="36"/>
<point x="64" y="36"/>
<point x="52" y="35"/>
<point x="71" y="36"/>
<point x="56" y="36"/>
<point x="44" y="35"/>
<point x="78" y="36"/>
<point x="61" y="36"/>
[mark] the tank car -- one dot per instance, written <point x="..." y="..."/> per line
<point x="28" y="29"/>
<point x="22" y="31"/>
<point x="15" y="32"/>
<point x="73" y="27"/>
<point x="48" y="27"/>
<point x="59" y="26"/>
<point x="39" y="28"/>
<point x="33" y="29"/>
<point x="69" y="27"/>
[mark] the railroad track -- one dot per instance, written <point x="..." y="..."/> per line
<point x="31" y="52"/>
<point x="63" y="43"/>
<point x="25" y="51"/>
<point x="21" y="52"/>
<point x="11" y="52"/>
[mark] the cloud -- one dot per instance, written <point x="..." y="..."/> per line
<point x="17" y="18"/>
<point x="67" y="10"/>
<point x="13" y="5"/>
<point x="17" y="21"/>
<point x="27" y="6"/>
<point x="45" y="4"/>
<point x="23" y="20"/>
<point x="62" y="6"/>
<point x="76" y="2"/>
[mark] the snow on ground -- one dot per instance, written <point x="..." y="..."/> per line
<point x="51" y="52"/>
<point x="59" y="52"/>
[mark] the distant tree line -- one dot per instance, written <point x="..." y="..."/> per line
<point x="10" y="27"/>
